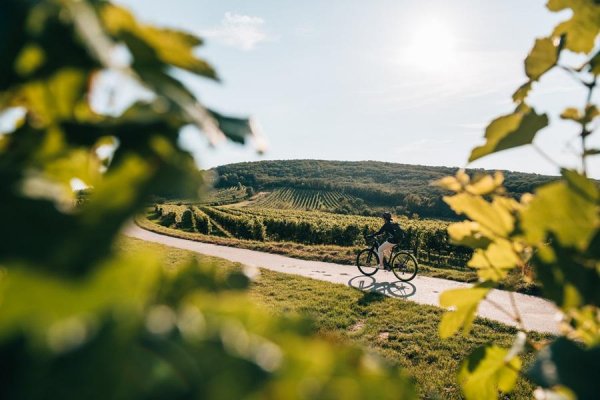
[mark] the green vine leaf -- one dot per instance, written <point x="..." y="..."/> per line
<point x="521" y="94"/>
<point x="510" y="131"/>
<point x="493" y="218"/>
<point x="465" y="303"/>
<point x="555" y="366"/>
<point x="487" y="371"/>
<point x="151" y="45"/>
<point x="572" y="114"/>
<point x="594" y="64"/>
<point x="582" y="29"/>
<point x="468" y="233"/>
<point x="541" y="59"/>
<point x="570" y="215"/>
<point x="494" y="262"/>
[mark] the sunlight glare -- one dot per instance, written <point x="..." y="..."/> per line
<point x="431" y="47"/>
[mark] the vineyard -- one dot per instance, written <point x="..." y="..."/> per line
<point x="301" y="199"/>
<point x="427" y="238"/>
<point x="229" y="195"/>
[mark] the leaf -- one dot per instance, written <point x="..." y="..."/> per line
<point x="566" y="276"/>
<point x="465" y="302"/>
<point x="521" y="94"/>
<point x="510" y="131"/>
<point x="591" y="152"/>
<point x="236" y="129"/>
<point x="487" y="371"/>
<point x="485" y="184"/>
<point x="449" y="183"/>
<point x="566" y="363"/>
<point x="591" y="112"/>
<point x="542" y="58"/>
<point x="582" y="29"/>
<point x="564" y="210"/>
<point x="171" y="47"/>
<point x="56" y="99"/>
<point x="33" y="302"/>
<point x="572" y="114"/>
<point x="30" y="59"/>
<point x="581" y="184"/>
<point x="468" y="233"/>
<point x="594" y="64"/>
<point x="494" y="262"/>
<point x="493" y="218"/>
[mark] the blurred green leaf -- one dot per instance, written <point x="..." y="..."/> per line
<point x="569" y="214"/>
<point x="542" y="58"/>
<point x="521" y="94"/>
<point x="568" y="277"/>
<point x="493" y="218"/>
<point x="572" y="114"/>
<point x="582" y="29"/>
<point x="487" y="371"/>
<point x="468" y="233"/>
<point x="567" y="364"/>
<point x="39" y="303"/>
<point x="595" y="64"/>
<point x="494" y="262"/>
<point x="465" y="303"/>
<point x="167" y="46"/>
<point x="30" y="59"/>
<point x="510" y="131"/>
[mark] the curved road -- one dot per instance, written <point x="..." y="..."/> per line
<point x="537" y="314"/>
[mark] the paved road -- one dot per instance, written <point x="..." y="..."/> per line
<point x="537" y="314"/>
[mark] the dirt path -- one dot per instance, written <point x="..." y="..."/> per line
<point x="537" y="314"/>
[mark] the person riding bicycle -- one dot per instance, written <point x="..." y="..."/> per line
<point x="394" y="232"/>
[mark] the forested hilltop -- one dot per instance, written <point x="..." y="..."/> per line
<point x="404" y="188"/>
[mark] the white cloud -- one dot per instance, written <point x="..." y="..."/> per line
<point x="238" y="30"/>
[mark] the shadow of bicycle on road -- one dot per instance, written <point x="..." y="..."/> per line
<point x="396" y="289"/>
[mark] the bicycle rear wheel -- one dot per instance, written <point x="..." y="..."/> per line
<point x="367" y="262"/>
<point x="404" y="266"/>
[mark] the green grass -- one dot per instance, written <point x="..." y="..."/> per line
<point x="400" y="331"/>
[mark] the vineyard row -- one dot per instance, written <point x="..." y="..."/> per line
<point x="428" y="239"/>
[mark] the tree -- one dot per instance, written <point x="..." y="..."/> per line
<point x="79" y="320"/>
<point x="555" y="229"/>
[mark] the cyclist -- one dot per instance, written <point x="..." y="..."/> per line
<point x="394" y="232"/>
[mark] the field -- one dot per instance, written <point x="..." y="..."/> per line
<point x="302" y="199"/>
<point x="401" y="332"/>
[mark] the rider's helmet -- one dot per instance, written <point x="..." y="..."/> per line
<point x="387" y="216"/>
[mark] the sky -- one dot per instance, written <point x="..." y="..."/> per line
<point x="391" y="80"/>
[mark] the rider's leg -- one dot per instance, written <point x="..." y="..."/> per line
<point x="382" y="250"/>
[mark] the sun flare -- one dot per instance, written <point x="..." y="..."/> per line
<point x="431" y="46"/>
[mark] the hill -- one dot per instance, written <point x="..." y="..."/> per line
<point x="371" y="185"/>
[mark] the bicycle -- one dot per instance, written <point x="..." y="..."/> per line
<point x="402" y="262"/>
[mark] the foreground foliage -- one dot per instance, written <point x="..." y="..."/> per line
<point x="79" y="321"/>
<point x="556" y="230"/>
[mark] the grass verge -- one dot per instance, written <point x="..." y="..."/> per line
<point x="400" y="331"/>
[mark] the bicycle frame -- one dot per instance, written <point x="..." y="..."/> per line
<point x="375" y="247"/>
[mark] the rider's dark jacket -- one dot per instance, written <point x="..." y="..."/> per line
<point x="391" y="229"/>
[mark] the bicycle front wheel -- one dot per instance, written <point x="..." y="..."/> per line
<point x="367" y="262"/>
<point x="404" y="266"/>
